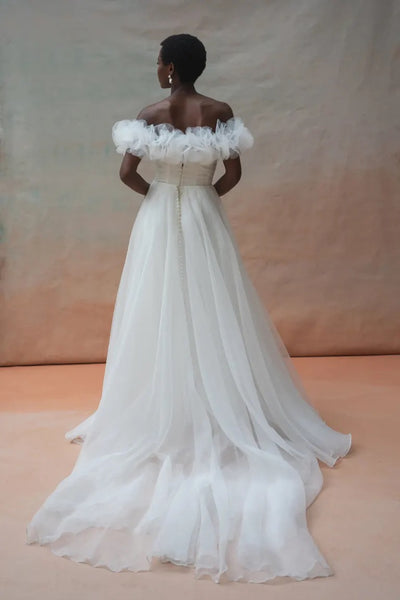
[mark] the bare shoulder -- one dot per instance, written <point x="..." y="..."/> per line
<point x="154" y="113"/>
<point x="216" y="109"/>
<point x="225" y="111"/>
<point x="169" y="110"/>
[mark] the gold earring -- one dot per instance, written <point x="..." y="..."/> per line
<point x="169" y="78"/>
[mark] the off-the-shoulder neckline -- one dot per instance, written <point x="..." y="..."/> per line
<point x="219" y="124"/>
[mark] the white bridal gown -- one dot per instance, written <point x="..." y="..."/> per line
<point x="204" y="449"/>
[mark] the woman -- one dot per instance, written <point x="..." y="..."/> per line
<point x="184" y="108"/>
<point x="204" y="449"/>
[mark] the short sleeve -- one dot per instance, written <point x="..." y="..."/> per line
<point x="131" y="135"/>
<point x="233" y="138"/>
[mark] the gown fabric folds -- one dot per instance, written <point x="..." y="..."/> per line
<point x="204" y="448"/>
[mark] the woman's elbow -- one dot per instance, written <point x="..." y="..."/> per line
<point x="236" y="172"/>
<point x="128" y="167"/>
<point x="123" y="175"/>
<point x="236" y="176"/>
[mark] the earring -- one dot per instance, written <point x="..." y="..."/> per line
<point x="169" y="78"/>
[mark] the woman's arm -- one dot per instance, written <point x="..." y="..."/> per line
<point x="128" y="170"/>
<point x="233" y="167"/>
<point x="129" y="175"/>
<point x="233" y="173"/>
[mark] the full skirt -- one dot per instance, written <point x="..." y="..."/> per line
<point x="204" y="448"/>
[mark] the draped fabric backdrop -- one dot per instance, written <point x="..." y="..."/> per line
<point x="316" y="214"/>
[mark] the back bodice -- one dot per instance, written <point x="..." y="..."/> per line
<point x="189" y="173"/>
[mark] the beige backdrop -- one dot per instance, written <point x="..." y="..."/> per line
<point x="316" y="214"/>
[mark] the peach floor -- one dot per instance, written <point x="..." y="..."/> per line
<point x="355" y="520"/>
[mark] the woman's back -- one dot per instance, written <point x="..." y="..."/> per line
<point x="183" y="110"/>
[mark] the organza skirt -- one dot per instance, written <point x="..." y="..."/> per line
<point x="204" y="449"/>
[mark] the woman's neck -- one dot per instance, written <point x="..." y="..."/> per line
<point x="186" y="89"/>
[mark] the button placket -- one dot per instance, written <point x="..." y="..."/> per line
<point x="182" y="274"/>
<point x="179" y="221"/>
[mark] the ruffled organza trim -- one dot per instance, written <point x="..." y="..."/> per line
<point x="195" y="144"/>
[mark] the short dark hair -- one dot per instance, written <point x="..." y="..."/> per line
<point x="187" y="53"/>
